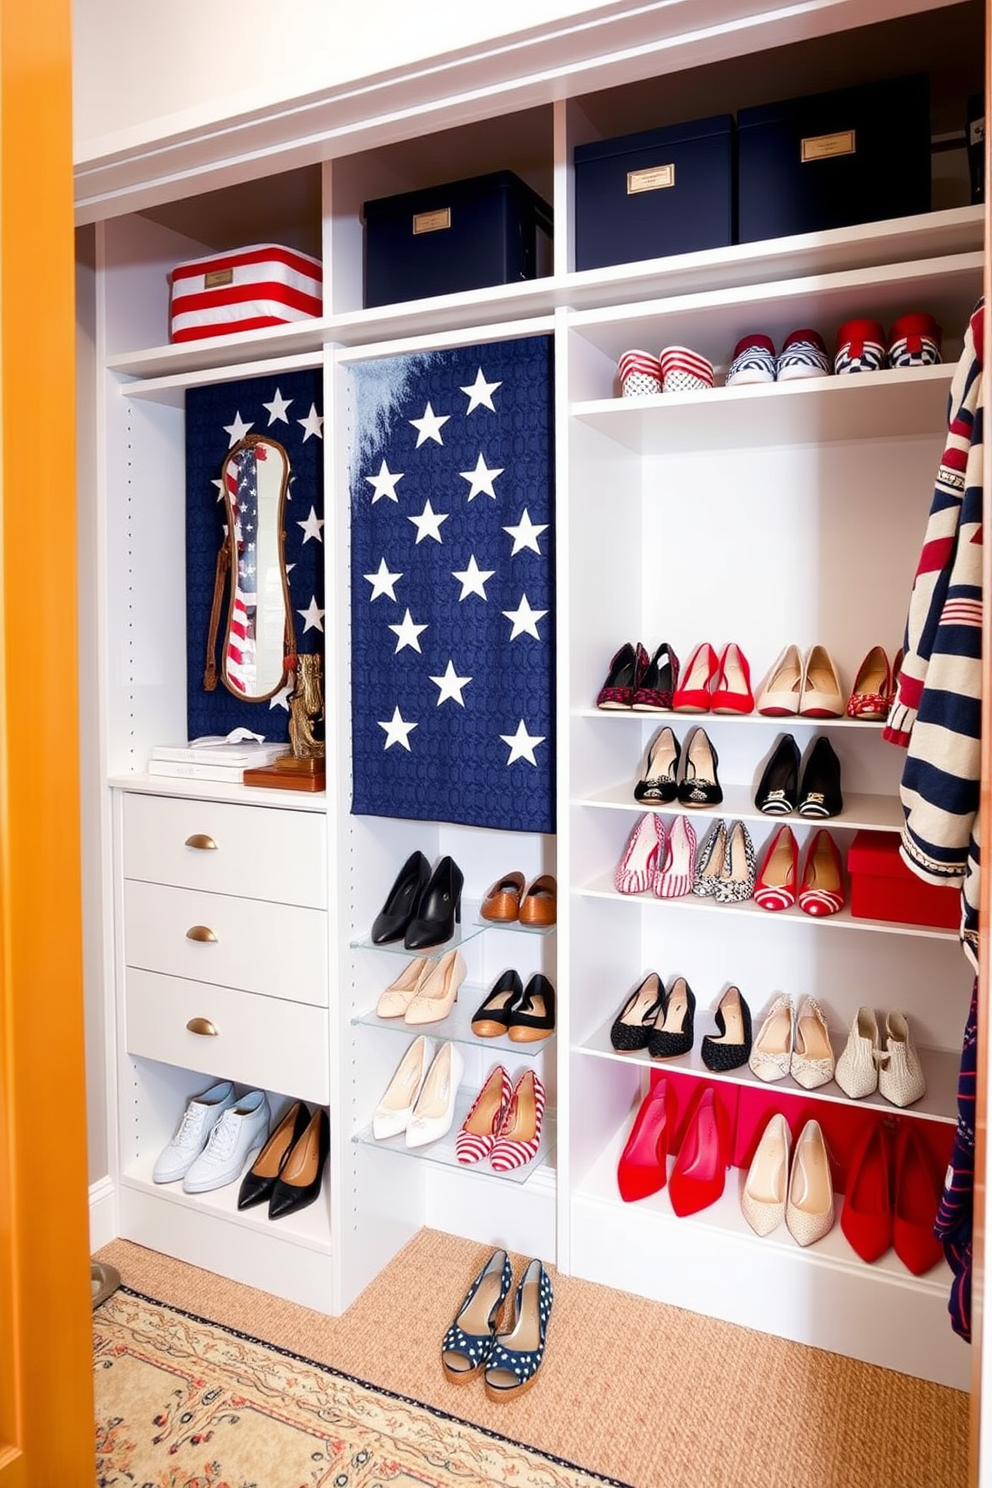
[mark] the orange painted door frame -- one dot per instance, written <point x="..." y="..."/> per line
<point x="46" y="1359"/>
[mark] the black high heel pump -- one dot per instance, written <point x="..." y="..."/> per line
<point x="439" y="908"/>
<point x="401" y="903"/>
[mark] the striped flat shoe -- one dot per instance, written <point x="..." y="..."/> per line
<point x="477" y="1133"/>
<point x="776" y="884"/>
<point x="822" y="889"/>
<point x="803" y="354"/>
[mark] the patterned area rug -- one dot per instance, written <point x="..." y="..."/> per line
<point x="184" y="1403"/>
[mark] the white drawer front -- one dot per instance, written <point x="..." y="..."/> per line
<point x="255" y="851"/>
<point x="260" y="1041"/>
<point x="276" y="949"/>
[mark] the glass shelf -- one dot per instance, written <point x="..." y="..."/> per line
<point x="457" y="1026"/>
<point x="515" y="927"/>
<point x="471" y="926"/>
<point x="442" y="1151"/>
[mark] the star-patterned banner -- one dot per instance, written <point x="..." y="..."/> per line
<point x="452" y="594"/>
<point x="286" y="408"/>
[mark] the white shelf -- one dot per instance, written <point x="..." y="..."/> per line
<point x="209" y="790"/>
<point x="713" y="720"/>
<point x="443" y="1150"/>
<point x="871" y="812"/>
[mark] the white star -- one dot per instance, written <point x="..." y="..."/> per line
<point x="406" y="633"/>
<point x="450" y="685"/>
<point x="526" y="533"/>
<point x="220" y="489"/>
<point x="311" y="527"/>
<point x="429" y="427"/>
<point x="524" y="619"/>
<point x="397" y="732"/>
<point x="277" y="408"/>
<point x="522" y="744"/>
<point x="382" y="581"/>
<point x="384" y="484"/>
<point x="313" y="615"/>
<point x="312" y="424"/>
<point x="472" y="579"/>
<point x="237" y="430"/>
<point x="480" y="393"/>
<point x="481" y="478"/>
<point x="281" y="698"/>
<point x="428" y="524"/>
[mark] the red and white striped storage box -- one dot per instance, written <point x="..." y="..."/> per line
<point x="243" y="290"/>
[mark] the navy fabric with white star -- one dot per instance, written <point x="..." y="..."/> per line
<point x="452" y="593"/>
<point x="286" y="408"/>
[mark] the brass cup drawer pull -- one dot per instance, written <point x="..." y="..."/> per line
<point x="201" y="932"/>
<point x="203" y="1026"/>
<point x="201" y="842"/>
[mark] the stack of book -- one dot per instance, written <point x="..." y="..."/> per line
<point x="213" y="758"/>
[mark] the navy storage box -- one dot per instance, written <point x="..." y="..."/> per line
<point x="467" y="234"/>
<point x="658" y="192"/>
<point x="833" y="159"/>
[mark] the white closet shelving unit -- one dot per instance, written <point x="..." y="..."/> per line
<point x="760" y="515"/>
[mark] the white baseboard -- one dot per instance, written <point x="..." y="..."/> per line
<point x="103" y="1213"/>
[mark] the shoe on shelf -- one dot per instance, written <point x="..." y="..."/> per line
<point x="767" y="1181"/>
<point x="916" y="1198"/>
<point x="700" y="1168"/>
<point x="533" y="1017"/>
<point x="301" y="1175"/>
<point x="780" y="693"/>
<point x="752" y="361"/>
<point x="819" y="788"/>
<point x="642" y="855"/>
<point x="900" y="1078"/>
<point x="478" y="1131"/>
<point x="234" y="1142"/>
<point x="866" y="1212"/>
<point x="539" y="905"/>
<point x="699" y="784"/>
<point x="640" y="374"/>
<point x="732" y="688"/>
<point x="438" y="990"/>
<point x="260" y="1179"/>
<point x="736" y="882"/>
<point x="643" y="1166"/>
<point x="659" y="785"/>
<point x="914" y="341"/>
<point x="771" y="1052"/>
<point x="198" y="1120"/>
<point x="501" y="902"/>
<point x="672" y="1034"/>
<point x="710" y="860"/>
<point x="778" y="788"/>
<point x="392" y="1114"/>
<point x="468" y="1342"/>
<point x="803" y="355"/>
<point x="624" y="677"/>
<point x="812" y="1055"/>
<point x="401" y="902"/>
<point x="516" y="1355"/>
<point x="434" y="1110"/>
<point x="822" y="890"/>
<point x="491" y="1018"/>
<point x="684" y="370"/>
<point x="519" y="1135"/>
<point x="776" y="883"/>
<point x="821" y="694"/>
<point x="633" y="1024"/>
<point x="896" y="672"/>
<point x="674" y="878"/>
<point x="860" y="347"/>
<point x="397" y="997"/>
<point x="439" y="908"/>
<point x="657" y="686"/>
<point x="730" y="1046"/>
<point x="872" y="690"/>
<point x="692" y="695"/>
<point x="857" y="1067"/>
<point x="809" y="1208"/>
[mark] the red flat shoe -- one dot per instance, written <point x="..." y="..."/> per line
<point x="866" y="1214"/>
<point x="693" y="694"/>
<point x="822" y="891"/>
<point x="732" y="689"/>
<point x="776" y="884"/>
<point x="917" y="1195"/>
<point x="703" y="1157"/>
<point x="642" y="1168"/>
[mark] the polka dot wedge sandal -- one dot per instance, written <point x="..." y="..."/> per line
<point x="468" y="1344"/>
<point x="516" y="1356"/>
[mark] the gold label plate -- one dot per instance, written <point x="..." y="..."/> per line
<point x="218" y="278"/>
<point x="437" y="221"/>
<point x="823" y="146"/>
<point x="652" y="178"/>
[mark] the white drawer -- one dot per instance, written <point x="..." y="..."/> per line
<point x="276" y="949"/>
<point x="256" y="851"/>
<point x="260" y="1041"/>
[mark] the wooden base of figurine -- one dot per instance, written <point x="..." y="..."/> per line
<point x="289" y="773"/>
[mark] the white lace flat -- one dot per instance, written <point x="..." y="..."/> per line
<point x="900" y="1078"/>
<point x="812" y="1055"/>
<point x="857" y="1067"/>
<point x="771" y="1052"/>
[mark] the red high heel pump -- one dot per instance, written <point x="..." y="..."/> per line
<point x="703" y="1157"/>
<point x="777" y="882"/>
<point x="732" y="688"/>
<point x="642" y="1168"/>
<point x="693" y="693"/>
<point x="866" y="1214"/>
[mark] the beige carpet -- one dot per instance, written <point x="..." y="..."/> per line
<point x="649" y="1394"/>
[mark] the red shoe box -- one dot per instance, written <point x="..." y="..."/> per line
<point x="883" y="888"/>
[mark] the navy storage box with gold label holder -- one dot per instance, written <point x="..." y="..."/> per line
<point x="655" y="193"/>
<point x="470" y="234"/>
<point x="834" y="159"/>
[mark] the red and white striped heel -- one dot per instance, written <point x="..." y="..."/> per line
<point x="778" y="879"/>
<point x="519" y="1135"/>
<point x="822" y="891"/>
<point x="642" y="856"/>
<point x="477" y="1135"/>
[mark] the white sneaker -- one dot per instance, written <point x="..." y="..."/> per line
<point x="199" y="1118"/>
<point x="235" y="1141"/>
